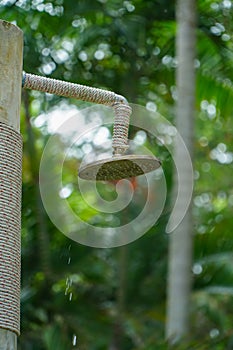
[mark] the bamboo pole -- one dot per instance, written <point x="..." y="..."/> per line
<point x="11" y="49"/>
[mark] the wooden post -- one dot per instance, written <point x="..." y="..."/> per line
<point x="11" y="49"/>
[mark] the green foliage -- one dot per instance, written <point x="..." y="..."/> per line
<point x="84" y="298"/>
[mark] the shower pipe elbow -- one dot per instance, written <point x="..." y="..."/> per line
<point x="120" y="105"/>
<point x="73" y="90"/>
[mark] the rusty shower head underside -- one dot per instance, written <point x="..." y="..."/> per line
<point x="119" y="167"/>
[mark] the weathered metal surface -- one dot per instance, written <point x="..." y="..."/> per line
<point x="119" y="167"/>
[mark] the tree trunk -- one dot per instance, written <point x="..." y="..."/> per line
<point x="180" y="244"/>
<point x="11" y="49"/>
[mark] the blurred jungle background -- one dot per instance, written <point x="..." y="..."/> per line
<point x="78" y="297"/>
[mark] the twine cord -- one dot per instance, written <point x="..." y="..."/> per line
<point x="10" y="226"/>
<point x="89" y="94"/>
<point x="11" y="179"/>
<point x="120" y="128"/>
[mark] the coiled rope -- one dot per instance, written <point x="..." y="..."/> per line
<point x="10" y="226"/>
<point x="85" y="93"/>
<point x="120" y="128"/>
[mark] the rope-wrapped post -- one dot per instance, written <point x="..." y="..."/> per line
<point x="122" y="110"/>
<point x="11" y="49"/>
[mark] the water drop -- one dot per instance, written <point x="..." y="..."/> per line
<point x="74" y="340"/>
<point x="197" y="269"/>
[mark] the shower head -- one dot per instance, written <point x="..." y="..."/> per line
<point x="119" y="167"/>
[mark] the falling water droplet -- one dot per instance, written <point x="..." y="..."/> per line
<point x="70" y="297"/>
<point x="68" y="284"/>
<point x="74" y="341"/>
<point x="69" y="260"/>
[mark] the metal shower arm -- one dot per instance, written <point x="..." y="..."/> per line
<point x="119" y="103"/>
<point x="66" y="89"/>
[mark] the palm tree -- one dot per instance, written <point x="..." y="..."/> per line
<point x="181" y="240"/>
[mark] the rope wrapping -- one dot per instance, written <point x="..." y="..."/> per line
<point x="121" y="127"/>
<point x="85" y="93"/>
<point x="66" y="89"/>
<point x="10" y="226"/>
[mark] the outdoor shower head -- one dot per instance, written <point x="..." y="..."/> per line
<point x="120" y="166"/>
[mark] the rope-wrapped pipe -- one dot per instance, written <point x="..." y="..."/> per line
<point x="121" y="127"/>
<point x="85" y="93"/>
<point x="10" y="226"/>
